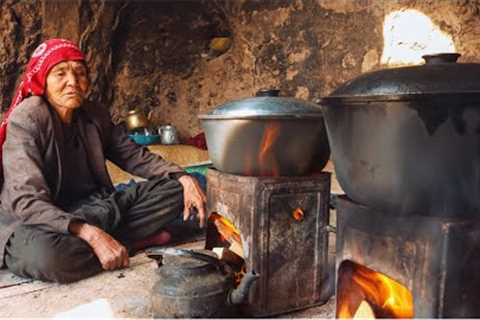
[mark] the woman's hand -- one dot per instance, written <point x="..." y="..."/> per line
<point x="111" y="254"/>
<point x="193" y="197"/>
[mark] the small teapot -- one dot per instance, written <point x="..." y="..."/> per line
<point x="136" y="120"/>
<point x="195" y="284"/>
<point x="168" y="134"/>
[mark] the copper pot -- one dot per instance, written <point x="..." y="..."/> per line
<point x="136" y="119"/>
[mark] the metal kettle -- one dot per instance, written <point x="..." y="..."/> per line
<point x="168" y="134"/>
<point x="195" y="284"/>
<point x="136" y="119"/>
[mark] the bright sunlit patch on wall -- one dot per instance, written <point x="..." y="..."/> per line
<point x="408" y="34"/>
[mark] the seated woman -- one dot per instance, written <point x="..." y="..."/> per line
<point x="60" y="218"/>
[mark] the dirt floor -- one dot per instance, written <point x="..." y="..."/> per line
<point x="120" y="294"/>
<point x="117" y="294"/>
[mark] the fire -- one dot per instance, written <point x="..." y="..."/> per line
<point x="239" y="275"/>
<point x="232" y="254"/>
<point x="225" y="227"/>
<point x="266" y="159"/>
<point x="358" y="284"/>
<point x="228" y="232"/>
<point x="408" y="35"/>
<point x="298" y="214"/>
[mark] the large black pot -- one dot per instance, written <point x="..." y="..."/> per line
<point x="407" y="140"/>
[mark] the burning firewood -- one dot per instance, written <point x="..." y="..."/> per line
<point x="219" y="252"/>
<point x="228" y="256"/>
<point x="237" y="248"/>
<point x="227" y="231"/>
<point x="364" y="311"/>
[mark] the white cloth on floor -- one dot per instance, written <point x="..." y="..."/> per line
<point x="97" y="309"/>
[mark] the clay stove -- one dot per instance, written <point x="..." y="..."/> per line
<point x="406" y="266"/>
<point x="279" y="226"/>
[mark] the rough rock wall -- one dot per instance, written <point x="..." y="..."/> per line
<point x="159" y="60"/>
<point x="155" y="54"/>
<point x="20" y="32"/>
<point x="304" y="47"/>
<point x="93" y="25"/>
<point x="296" y="46"/>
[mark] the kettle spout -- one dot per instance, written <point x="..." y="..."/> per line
<point x="239" y="295"/>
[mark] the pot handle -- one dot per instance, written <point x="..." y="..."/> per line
<point x="330" y="228"/>
<point x="157" y="252"/>
<point x="332" y="204"/>
<point x="441" y="58"/>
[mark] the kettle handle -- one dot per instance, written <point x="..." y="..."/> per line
<point x="156" y="252"/>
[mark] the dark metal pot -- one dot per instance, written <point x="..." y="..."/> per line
<point x="195" y="284"/>
<point x="267" y="136"/>
<point x="407" y="140"/>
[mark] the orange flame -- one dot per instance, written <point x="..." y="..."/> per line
<point x="387" y="297"/>
<point x="239" y="275"/>
<point x="225" y="228"/>
<point x="266" y="159"/>
<point x="234" y="255"/>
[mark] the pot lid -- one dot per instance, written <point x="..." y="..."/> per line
<point x="184" y="263"/>
<point x="439" y="75"/>
<point x="265" y="107"/>
<point x="186" y="260"/>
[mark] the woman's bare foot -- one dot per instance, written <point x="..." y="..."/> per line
<point x="160" y="238"/>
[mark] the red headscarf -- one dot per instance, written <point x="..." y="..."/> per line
<point x="43" y="59"/>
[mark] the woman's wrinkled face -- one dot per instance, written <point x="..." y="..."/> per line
<point x="67" y="84"/>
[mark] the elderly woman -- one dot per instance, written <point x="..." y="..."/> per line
<point x="61" y="219"/>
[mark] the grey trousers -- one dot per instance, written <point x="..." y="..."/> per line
<point x="133" y="214"/>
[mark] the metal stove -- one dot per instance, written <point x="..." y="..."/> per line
<point x="436" y="259"/>
<point x="283" y="226"/>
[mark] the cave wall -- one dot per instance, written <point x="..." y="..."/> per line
<point x="155" y="54"/>
<point x="20" y="33"/>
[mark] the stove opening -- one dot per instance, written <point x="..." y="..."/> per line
<point x="224" y="239"/>
<point x="365" y="293"/>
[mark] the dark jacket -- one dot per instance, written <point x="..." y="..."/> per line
<point x="32" y="163"/>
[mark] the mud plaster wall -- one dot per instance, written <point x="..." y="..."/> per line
<point x="155" y="55"/>
<point x="20" y="32"/>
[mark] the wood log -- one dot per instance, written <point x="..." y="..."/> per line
<point x="364" y="311"/>
<point x="237" y="248"/>
<point x="219" y="252"/>
<point x="228" y="256"/>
